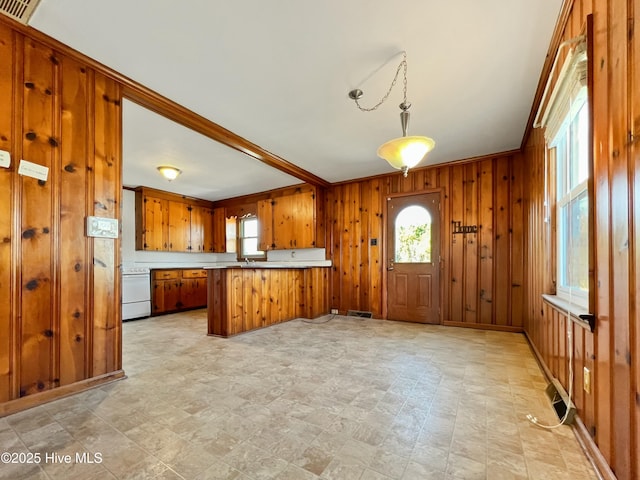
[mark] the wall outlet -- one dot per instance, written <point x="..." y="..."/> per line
<point x="334" y="311"/>
<point x="586" y="380"/>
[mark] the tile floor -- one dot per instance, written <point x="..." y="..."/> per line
<point x="347" y="398"/>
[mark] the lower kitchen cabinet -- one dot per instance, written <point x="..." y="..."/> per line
<point x="178" y="289"/>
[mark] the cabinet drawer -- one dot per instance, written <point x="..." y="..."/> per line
<point x="165" y="274"/>
<point x="197" y="273"/>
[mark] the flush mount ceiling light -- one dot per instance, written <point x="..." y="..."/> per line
<point x="169" y="172"/>
<point x="403" y="152"/>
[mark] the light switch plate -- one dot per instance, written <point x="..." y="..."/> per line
<point x="34" y="170"/>
<point x="102" y="227"/>
<point x="5" y="159"/>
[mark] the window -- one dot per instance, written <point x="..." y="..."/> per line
<point x="248" y="238"/>
<point x="572" y="204"/>
<point x="567" y="134"/>
<point x="413" y="235"/>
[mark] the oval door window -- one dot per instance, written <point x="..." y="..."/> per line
<point x="413" y="235"/>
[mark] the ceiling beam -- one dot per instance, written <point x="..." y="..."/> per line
<point x="168" y="108"/>
<point x="161" y="105"/>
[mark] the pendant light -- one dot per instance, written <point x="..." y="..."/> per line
<point x="407" y="151"/>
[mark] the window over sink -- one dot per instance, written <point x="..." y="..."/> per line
<point x="248" y="238"/>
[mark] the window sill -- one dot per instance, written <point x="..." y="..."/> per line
<point x="577" y="312"/>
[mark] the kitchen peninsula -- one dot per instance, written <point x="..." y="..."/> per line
<point x="246" y="297"/>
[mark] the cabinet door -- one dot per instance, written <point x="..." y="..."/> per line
<point x="196" y="227"/>
<point x="172" y="297"/>
<point x="193" y="292"/>
<point x="265" y="225"/>
<point x="293" y="221"/>
<point x="157" y="297"/>
<point x="154" y="223"/>
<point x="304" y="220"/>
<point x="179" y="228"/>
<point x="207" y="230"/>
<point x="219" y="232"/>
<point x="165" y="294"/>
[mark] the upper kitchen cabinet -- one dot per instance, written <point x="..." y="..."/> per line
<point x="179" y="227"/>
<point x="152" y="222"/>
<point x="173" y="223"/>
<point x="219" y="232"/>
<point x="201" y="229"/>
<point x="291" y="221"/>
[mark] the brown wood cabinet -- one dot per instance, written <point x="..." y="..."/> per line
<point x="288" y="221"/>
<point x="219" y="232"/>
<point x="179" y="227"/>
<point x="155" y="235"/>
<point x="173" y="223"/>
<point x="178" y="289"/>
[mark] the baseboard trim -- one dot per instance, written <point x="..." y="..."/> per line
<point x="484" y="326"/>
<point x="30" y="401"/>
<point x="586" y="442"/>
<point x="591" y="450"/>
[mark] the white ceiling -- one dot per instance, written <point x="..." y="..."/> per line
<point x="278" y="74"/>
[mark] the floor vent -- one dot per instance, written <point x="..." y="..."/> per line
<point x="359" y="313"/>
<point x="560" y="402"/>
<point x="20" y="10"/>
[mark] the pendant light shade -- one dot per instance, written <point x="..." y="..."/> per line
<point x="405" y="152"/>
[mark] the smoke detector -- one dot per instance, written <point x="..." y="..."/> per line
<point x="20" y="10"/>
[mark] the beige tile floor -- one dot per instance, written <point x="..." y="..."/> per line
<point x="349" y="398"/>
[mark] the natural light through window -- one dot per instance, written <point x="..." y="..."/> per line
<point x="413" y="235"/>
<point x="572" y="206"/>
<point x="249" y="238"/>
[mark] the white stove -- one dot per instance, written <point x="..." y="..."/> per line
<point x="136" y="292"/>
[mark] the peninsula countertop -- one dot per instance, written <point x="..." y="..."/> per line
<point x="267" y="264"/>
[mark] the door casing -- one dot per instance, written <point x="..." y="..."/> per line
<point x="385" y="259"/>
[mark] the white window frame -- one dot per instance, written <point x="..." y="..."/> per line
<point x="565" y="156"/>
<point x="242" y="238"/>
<point x="568" y="97"/>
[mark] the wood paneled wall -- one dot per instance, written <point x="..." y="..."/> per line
<point x="610" y="414"/>
<point x="59" y="290"/>
<point x="245" y="299"/>
<point x="486" y="192"/>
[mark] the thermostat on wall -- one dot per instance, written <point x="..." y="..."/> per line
<point x="102" y="227"/>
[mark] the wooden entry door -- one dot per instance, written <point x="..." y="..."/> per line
<point x="413" y="258"/>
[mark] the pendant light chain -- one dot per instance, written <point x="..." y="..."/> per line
<point x="402" y="65"/>
<point x="403" y="152"/>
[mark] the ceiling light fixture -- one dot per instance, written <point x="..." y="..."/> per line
<point x="169" y="172"/>
<point x="403" y="152"/>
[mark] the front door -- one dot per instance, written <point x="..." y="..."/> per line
<point x="413" y="258"/>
